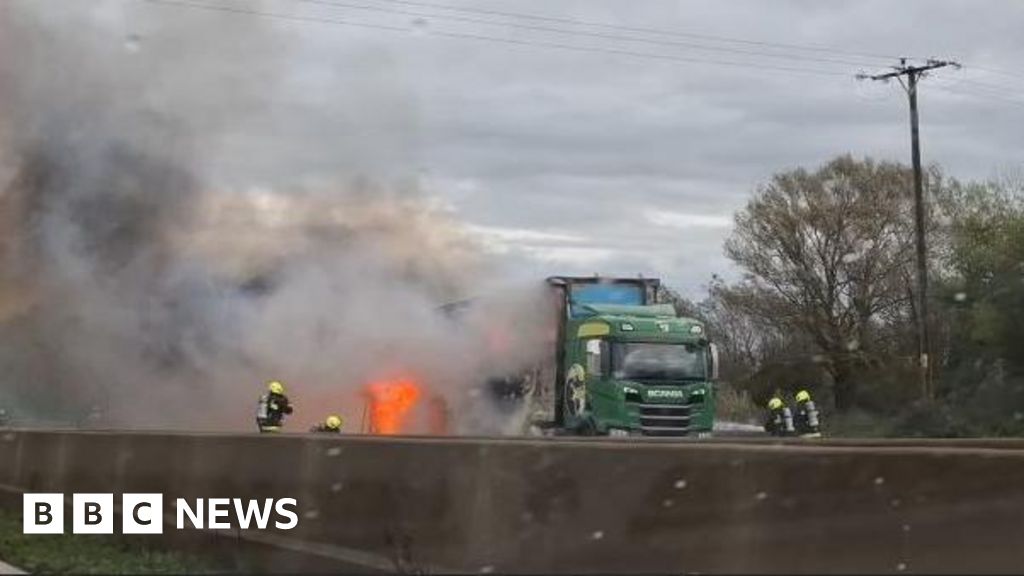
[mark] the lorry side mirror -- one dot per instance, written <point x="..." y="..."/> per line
<point x="594" y="347"/>
<point x="713" y="361"/>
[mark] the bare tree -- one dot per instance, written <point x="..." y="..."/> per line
<point x="827" y="254"/>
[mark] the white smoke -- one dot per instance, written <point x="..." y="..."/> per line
<point x="143" y="286"/>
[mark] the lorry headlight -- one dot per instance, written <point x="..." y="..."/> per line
<point x="618" y="432"/>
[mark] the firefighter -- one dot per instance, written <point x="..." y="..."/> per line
<point x="806" y="418"/>
<point x="272" y="407"/>
<point x="780" y="419"/>
<point x="330" y="425"/>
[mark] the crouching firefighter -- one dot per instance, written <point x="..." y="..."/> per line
<point x="780" y="419"/>
<point x="272" y="407"/>
<point x="806" y="418"/>
<point x="331" y="425"/>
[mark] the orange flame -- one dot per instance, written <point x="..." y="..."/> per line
<point x="389" y="403"/>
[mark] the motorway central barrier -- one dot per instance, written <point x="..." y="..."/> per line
<point x="574" y="506"/>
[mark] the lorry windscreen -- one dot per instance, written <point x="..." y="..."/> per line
<point x="657" y="361"/>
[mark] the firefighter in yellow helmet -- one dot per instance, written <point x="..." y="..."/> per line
<point x="272" y="407"/>
<point x="805" y="418"/>
<point x="780" y="419"/>
<point x="330" y="425"/>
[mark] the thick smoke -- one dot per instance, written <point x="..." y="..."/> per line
<point x="142" y="285"/>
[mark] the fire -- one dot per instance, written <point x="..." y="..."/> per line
<point x="388" y="404"/>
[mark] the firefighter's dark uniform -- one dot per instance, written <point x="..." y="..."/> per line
<point x="806" y="420"/>
<point x="780" y="419"/>
<point x="331" y="425"/>
<point x="271" y="410"/>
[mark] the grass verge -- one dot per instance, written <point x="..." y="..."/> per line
<point x="89" y="553"/>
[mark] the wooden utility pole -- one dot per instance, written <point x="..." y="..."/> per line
<point x="913" y="74"/>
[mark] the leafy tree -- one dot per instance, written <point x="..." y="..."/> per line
<point x="982" y="293"/>
<point x="827" y="257"/>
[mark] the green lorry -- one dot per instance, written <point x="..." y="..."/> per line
<point x="621" y="364"/>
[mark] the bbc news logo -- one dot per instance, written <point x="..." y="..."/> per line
<point x="144" y="513"/>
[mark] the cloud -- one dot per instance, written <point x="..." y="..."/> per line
<point x="547" y="248"/>
<point x="522" y="235"/>
<point x="685" y="221"/>
<point x="581" y="256"/>
<point x="559" y="155"/>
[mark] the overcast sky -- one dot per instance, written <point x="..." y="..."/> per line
<point x="582" y="161"/>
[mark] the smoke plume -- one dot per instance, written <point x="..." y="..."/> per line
<point x="162" y="255"/>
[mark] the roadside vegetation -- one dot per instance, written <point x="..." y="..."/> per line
<point x="732" y="405"/>
<point x="87" y="554"/>
<point x="826" y="300"/>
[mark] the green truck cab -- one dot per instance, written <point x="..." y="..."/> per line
<point x="627" y="364"/>
<point x="637" y="370"/>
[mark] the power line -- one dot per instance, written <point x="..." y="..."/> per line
<point x="981" y="88"/>
<point x="1002" y="91"/>
<point x="249" y="12"/>
<point x="961" y="91"/>
<point x="997" y="71"/>
<point x="601" y="35"/>
<point x="999" y="88"/>
<point x="647" y="30"/>
<point x="993" y="87"/>
<point x="494" y="39"/>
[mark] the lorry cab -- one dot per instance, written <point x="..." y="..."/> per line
<point x="635" y="370"/>
<point x="629" y="366"/>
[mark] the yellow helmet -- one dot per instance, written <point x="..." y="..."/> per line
<point x="803" y="396"/>
<point x="275" y="387"/>
<point x="775" y="403"/>
<point x="333" y="422"/>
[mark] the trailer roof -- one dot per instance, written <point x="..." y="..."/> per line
<point x="569" y="280"/>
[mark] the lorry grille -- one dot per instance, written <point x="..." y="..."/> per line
<point x="665" y="419"/>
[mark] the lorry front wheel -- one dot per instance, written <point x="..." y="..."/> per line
<point x="587" y="428"/>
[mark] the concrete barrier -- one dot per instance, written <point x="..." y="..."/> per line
<point x="579" y="506"/>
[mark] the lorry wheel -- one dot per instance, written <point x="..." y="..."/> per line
<point x="587" y="428"/>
